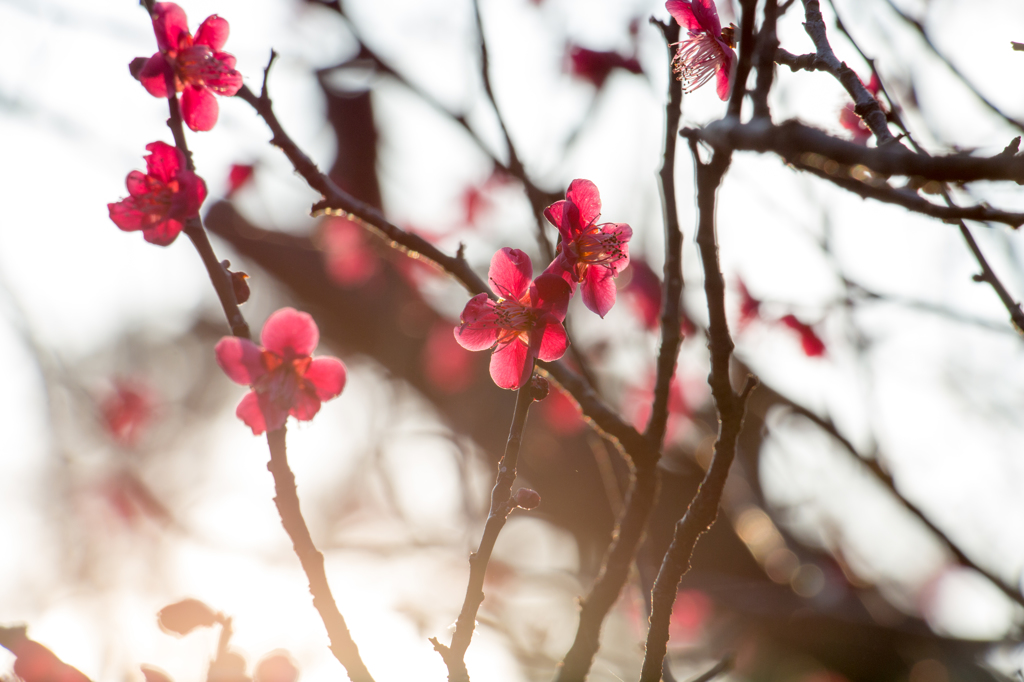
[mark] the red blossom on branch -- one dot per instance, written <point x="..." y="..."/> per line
<point x="709" y="49"/>
<point x="596" y="66"/>
<point x="195" y="65"/>
<point x="849" y="119"/>
<point x="523" y="325"/>
<point x="812" y="344"/>
<point x="161" y="199"/>
<point x="588" y="254"/>
<point x="284" y="378"/>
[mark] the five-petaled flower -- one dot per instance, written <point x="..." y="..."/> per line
<point x="523" y="325"/>
<point x="162" y="198"/>
<point x="195" y="65"/>
<point x="709" y="49"/>
<point x="588" y="254"/>
<point x="284" y="378"/>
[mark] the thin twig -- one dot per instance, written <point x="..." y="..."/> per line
<point x="864" y="103"/>
<point x="703" y="510"/>
<point x="743" y="63"/>
<point x="767" y="44"/>
<point x="919" y="27"/>
<point x="537" y="198"/>
<point x="287" y="500"/>
<point x="501" y="506"/>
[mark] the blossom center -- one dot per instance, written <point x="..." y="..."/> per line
<point x="697" y="59"/>
<point x="514" y="320"/>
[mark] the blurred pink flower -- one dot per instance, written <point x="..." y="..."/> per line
<point x="849" y="119"/>
<point x="588" y="254"/>
<point x="239" y="176"/>
<point x="284" y="378"/>
<point x="644" y="291"/>
<point x="162" y="198"/>
<point x="523" y="325"/>
<point x="750" y="307"/>
<point x="562" y="414"/>
<point x="595" y="66"/>
<point x="126" y="411"/>
<point x="708" y="51"/>
<point x="349" y="260"/>
<point x="446" y="364"/>
<point x="812" y="345"/>
<point x="196" y="65"/>
<point x="639" y="403"/>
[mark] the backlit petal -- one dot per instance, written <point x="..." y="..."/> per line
<point x="154" y="75"/>
<point x="290" y="333"/>
<point x="552" y="340"/>
<point x="169" y="23"/>
<point x="508" y="365"/>
<point x="550" y="292"/>
<point x="479" y="328"/>
<point x="127" y="216"/>
<point x="707" y="15"/>
<point x="555" y="213"/>
<point x="304" y="405"/>
<point x="212" y="32"/>
<point x="162" y="233"/>
<point x="683" y="14"/>
<point x="327" y="375"/>
<point x="249" y="411"/>
<point x="584" y="194"/>
<point x="510" y="273"/>
<point x="598" y="289"/>
<point x="137" y="184"/>
<point x="199" y="108"/>
<point x="274" y="415"/>
<point x="723" y="77"/>
<point x="241" y="360"/>
<point x="163" y="161"/>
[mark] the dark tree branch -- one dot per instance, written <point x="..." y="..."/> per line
<point x="703" y="510"/>
<point x="792" y="139"/>
<point x="287" y="500"/>
<point x="911" y="200"/>
<point x="501" y="506"/>
<point x="800" y="62"/>
<point x="746" y="56"/>
<point x="767" y="44"/>
<point x="865" y="105"/>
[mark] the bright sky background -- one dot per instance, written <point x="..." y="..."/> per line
<point x="944" y="400"/>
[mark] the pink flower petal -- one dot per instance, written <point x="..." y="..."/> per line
<point x="683" y="14"/>
<point x="212" y="32"/>
<point x="274" y="415"/>
<point x="327" y="375"/>
<point x="508" y="365"/>
<point x="550" y="292"/>
<point x="241" y="360"/>
<point x="224" y="81"/>
<point x="305" y="405"/>
<point x="169" y="24"/>
<point x="163" y="233"/>
<point x="555" y="213"/>
<point x="199" y="108"/>
<point x="553" y="341"/>
<point x="249" y="411"/>
<point x="163" y="161"/>
<point x="127" y="216"/>
<point x="707" y="15"/>
<point x="290" y="333"/>
<point x="584" y="194"/>
<point x="510" y="273"/>
<point x="191" y="193"/>
<point x="563" y="268"/>
<point x="137" y="183"/>
<point x="723" y="76"/>
<point x="154" y="75"/>
<point x="598" y="289"/>
<point x="479" y="328"/>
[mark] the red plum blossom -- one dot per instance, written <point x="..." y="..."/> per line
<point x="708" y="51"/>
<point x="195" y="65"/>
<point x="284" y="378"/>
<point x="523" y="325"/>
<point x="161" y="199"/>
<point x="589" y="254"/>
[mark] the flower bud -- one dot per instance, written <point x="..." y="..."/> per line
<point x="238" y="283"/>
<point x="526" y="498"/>
<point x="538" y="387"/>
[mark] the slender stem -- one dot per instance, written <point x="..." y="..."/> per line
<point x="644" y="475"/>
<point x="739" y="85"/>
<point x="501" y="506"/>
<point x="287" y="500"/>
<point x="767" y="44"/>
<point x="703" y="510"/>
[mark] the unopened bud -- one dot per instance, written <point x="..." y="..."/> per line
<point x="238" y="283"/>
<point x="538" y="387"/>
<point x="526" y="498"/>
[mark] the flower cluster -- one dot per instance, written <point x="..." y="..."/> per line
<point x="525" y="323"/>
<point x="709" y="49"/>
